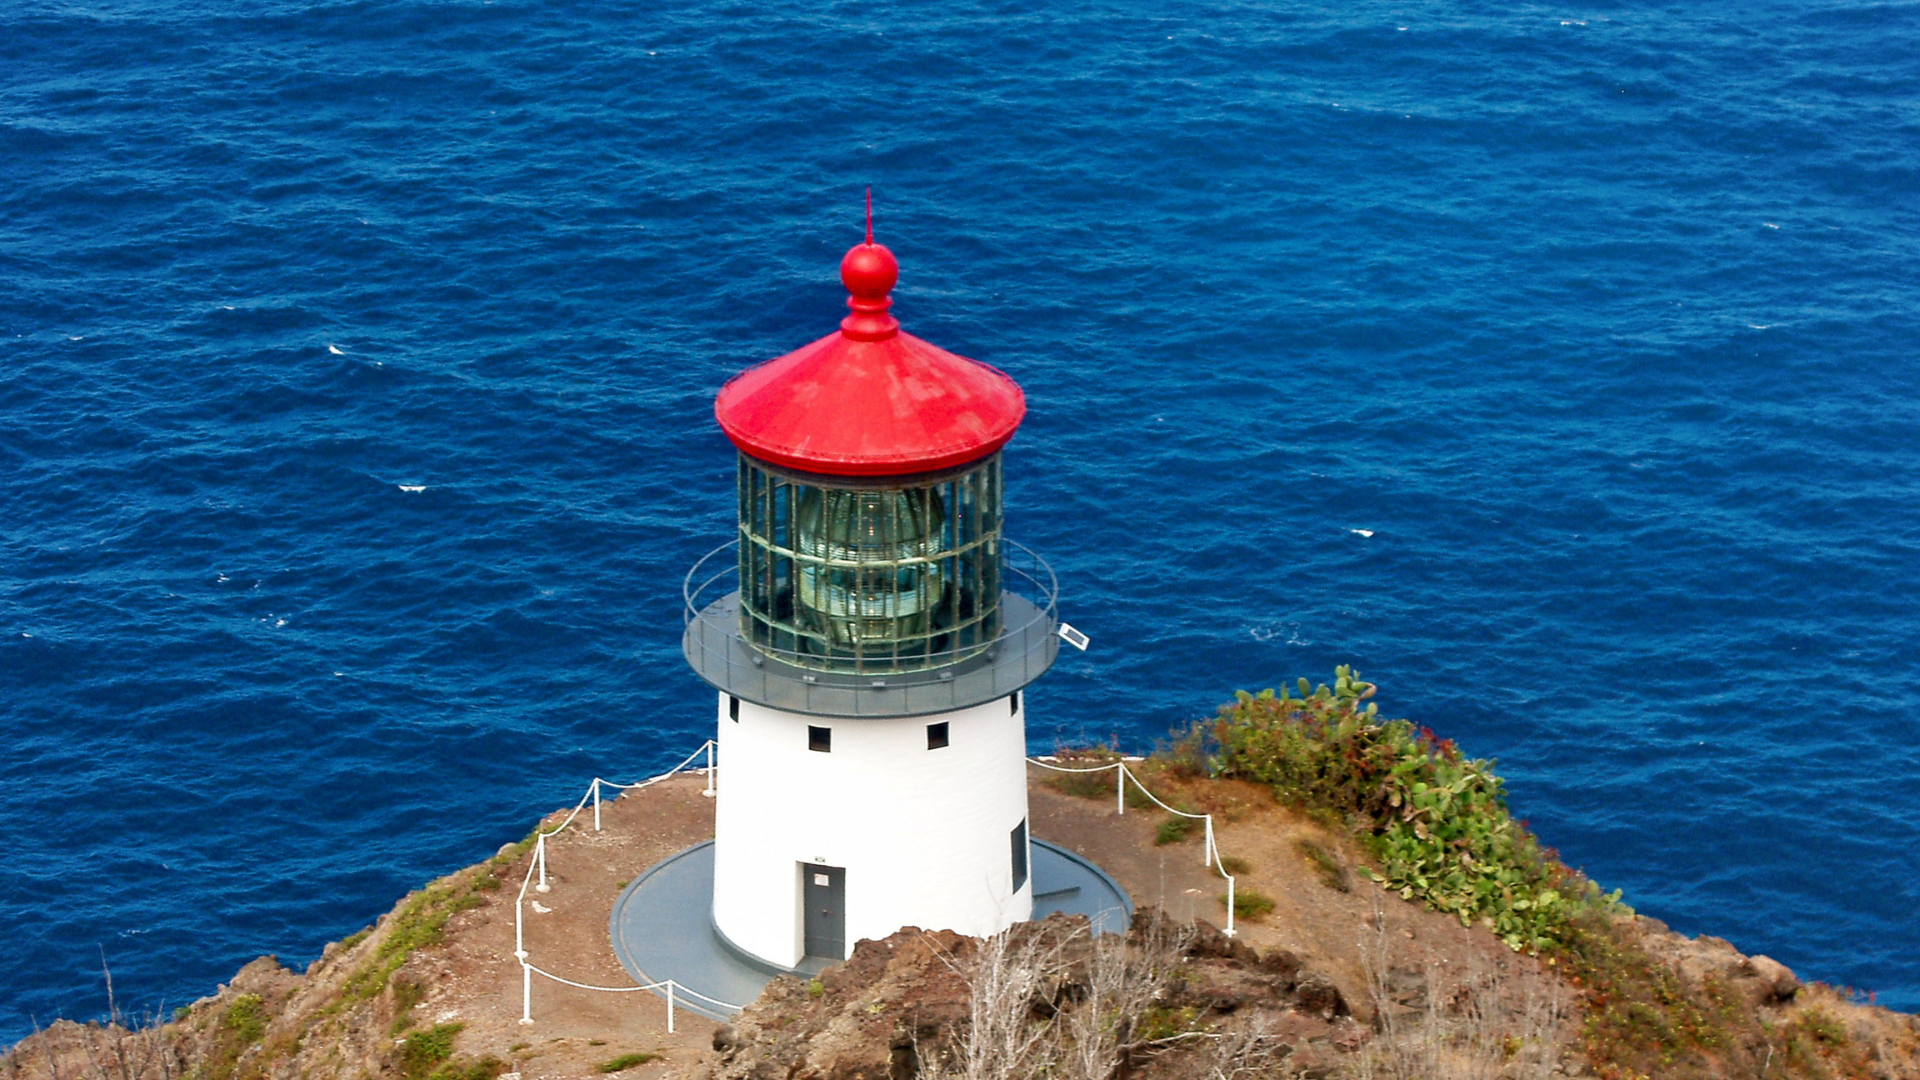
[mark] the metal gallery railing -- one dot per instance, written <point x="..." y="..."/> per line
<point x="1023" y="573"/>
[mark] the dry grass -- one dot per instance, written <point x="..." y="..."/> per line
<point x="116" y="1051"/>
<point x="1325" y="864"/>
<point x="1477" y="1024"/>
<point x="1123" y="980"/>
<point x="1001" y="1038"/>
<point x="124" y="1048"/>
<point x="1078" y="1006"/>
<point x="1096" y="988"/>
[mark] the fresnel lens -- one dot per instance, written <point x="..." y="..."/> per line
<point x="868" y="576"/>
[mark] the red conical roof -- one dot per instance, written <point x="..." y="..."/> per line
<point x="870" y="400"/>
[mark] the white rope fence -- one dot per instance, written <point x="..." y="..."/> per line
<point x="536" y="877"/>
<point x="1209" y="852"/>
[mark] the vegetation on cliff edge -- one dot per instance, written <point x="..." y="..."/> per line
<point x="1438" y="825"/>
<point x="1436" y="820"/>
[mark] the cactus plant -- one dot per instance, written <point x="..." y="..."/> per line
<point x="1437" y="822"/>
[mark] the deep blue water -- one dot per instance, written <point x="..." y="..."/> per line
<point x="1603" y="319"/>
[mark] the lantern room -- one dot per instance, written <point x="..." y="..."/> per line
<point x="871" y="575"/>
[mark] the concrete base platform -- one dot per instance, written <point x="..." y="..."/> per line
<point x="662" y="924"/>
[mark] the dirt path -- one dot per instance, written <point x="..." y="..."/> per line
<point x="477" y="981"/>
<point x="1321" y="923"/>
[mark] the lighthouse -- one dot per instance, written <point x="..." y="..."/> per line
<point x="869" y="633"/>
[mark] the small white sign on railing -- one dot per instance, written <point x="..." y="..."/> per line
<point x="1074" y="637"/>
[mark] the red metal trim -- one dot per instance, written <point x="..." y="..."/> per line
<point x="870" y="400"/>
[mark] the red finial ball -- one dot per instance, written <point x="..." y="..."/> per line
<point x="869" y="271"/>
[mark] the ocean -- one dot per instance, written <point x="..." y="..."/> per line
<point x="1553" y="365"/>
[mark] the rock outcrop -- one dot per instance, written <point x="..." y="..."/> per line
<point x="911" y="1005"/>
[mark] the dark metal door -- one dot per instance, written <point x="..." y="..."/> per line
<point x="824" y="894"/>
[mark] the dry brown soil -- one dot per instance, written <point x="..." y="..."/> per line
<point x="1321" y="925"/>
<point x="477" y="980"/>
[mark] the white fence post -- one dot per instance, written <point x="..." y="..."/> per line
<point x="1207" y="856"/>
<point x="1120" y="789"/>
<point x="1229" y="929"/>
<point x="539" y="869"/>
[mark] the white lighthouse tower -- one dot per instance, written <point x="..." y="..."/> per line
<point x="869" y="633"/>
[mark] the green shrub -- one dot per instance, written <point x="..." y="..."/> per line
<point x="1165" y="1022"/>
<point x="485" y="1068"/>
<point x="246" y="1018"/>
<point x="237" y="1028"/>
<point x="1173" y="830"/>
<point x="1437" y="821"/>
<point x="626" y="1061"/>
<point x="1822" y="1027"/>
<point x="1641" y="1015"/>
<point x="422" y="1050"/>
<point x="1235" y="865"/>
<point x="816" y="989"/>
<point x="1249" y="903"/>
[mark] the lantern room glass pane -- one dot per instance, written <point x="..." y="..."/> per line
<point x="870" y="575"/>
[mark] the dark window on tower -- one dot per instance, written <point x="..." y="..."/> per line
<point x="820" y="738"/>
<point x="1019" y="855"/>
<point x="733" y="708"/>
<point x="1015" y="702"/>
<point x="936" y="735"/>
